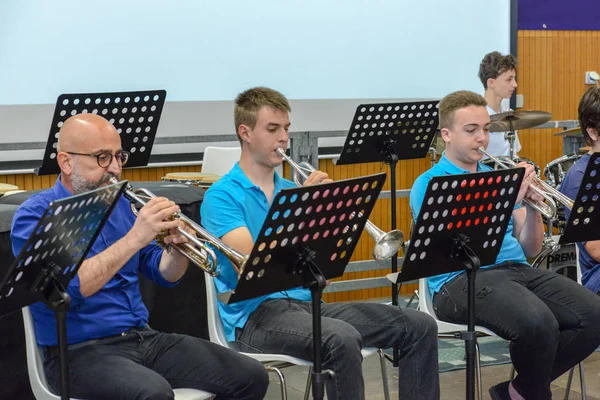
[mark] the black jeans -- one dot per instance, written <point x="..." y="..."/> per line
<point x="146" y="364"/>
<point x="552" y="322"/>
<point x="285" y="327"/>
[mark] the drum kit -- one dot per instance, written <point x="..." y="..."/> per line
<point x="191" y="178"/>
<point x="554" y="257"/>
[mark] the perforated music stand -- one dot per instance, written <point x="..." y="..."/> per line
<point x="135" y="115"/>
<point x="308" y="237"/>
<point x="51" y="257"/>
<point x="389" y="132"/>
<point x="461" y="225"/>
<point x="584" y="222"/>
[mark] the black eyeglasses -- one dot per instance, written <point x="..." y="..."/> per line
<point x="105" y="158"/>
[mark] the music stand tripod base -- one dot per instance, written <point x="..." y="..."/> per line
<point x="308" y="237"/>
<point x="461" y="225"/>
<point x="389" y="132"/>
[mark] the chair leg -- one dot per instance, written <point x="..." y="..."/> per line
<point x="478" y="374"/>
<point x="281" y="380"/>
<point x="569" y="380"/>
<point x="582" y="380"/>
<point x="386" y="389"/>
<point x="308" y="383"/>
<point x="415" y="295"/>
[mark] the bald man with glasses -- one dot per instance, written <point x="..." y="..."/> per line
<point x="113" y="353"/>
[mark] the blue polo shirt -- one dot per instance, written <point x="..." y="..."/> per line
<point x="590" y="268"/>
<point x="510" y="250"/>
<point x="233" y="202"/>
<point x="115" y="308"/>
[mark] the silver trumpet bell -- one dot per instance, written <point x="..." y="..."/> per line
<point x="387" y="244"/>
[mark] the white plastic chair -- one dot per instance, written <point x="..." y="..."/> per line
<point x="37" y="379"/>
<point x="219" y="160"/>
<point x="217" y="335"/>
<point x="448" y="329"/>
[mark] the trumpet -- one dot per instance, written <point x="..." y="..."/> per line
<point x="196" y="250"/>
<point x="386" y="244"/>
<point x="545" y="190"/>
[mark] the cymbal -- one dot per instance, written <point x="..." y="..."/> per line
<point x="584" y="149"/>
<point x="521" y="119"/>
<point x="570" y="132"/>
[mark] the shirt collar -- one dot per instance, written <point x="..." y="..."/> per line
<point x="449" y="168"/>
<point x="60" y="191"/>
<point x="238" y="175"/>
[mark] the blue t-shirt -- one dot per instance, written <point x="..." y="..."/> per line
<point x="590" y="268"/>
<point x="117" y="306"/>
<point x="233" y="202"/>
<point x="510" y="250"/>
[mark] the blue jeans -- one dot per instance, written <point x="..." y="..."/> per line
<point x="552" y="322"/>
<point x="284" y="326"/>
<point x="146" y="364"/>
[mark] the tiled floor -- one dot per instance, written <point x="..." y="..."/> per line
<point x="452" y="383"/>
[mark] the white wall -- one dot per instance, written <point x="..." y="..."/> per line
<point x="326" y="54"/>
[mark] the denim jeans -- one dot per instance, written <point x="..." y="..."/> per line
<point x="552" y="322"/>
<point x="284" y="326"/>
<point x="146" y="364"/>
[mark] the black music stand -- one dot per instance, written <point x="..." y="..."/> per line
<point x="51" y="257"/>
<point x="584" y="222"/>
<point x="387" y="133"/>
<point x="318" y="226"/>
<point x="461" y="225"/>
<point x="135" y="115"/>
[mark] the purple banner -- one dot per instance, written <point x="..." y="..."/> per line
<point x="569" y="15"/>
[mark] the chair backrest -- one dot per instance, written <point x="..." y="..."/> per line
<point x="577" y="264"/>
<point x="216" y="332"/>
<point x="219" y="160"/>
<point x="35" y="361"/>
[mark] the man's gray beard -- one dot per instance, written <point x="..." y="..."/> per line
<point x="81" y="185"/>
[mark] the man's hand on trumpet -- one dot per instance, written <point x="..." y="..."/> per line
<point x="152" y="219"/>
<point x="316" y="177"/>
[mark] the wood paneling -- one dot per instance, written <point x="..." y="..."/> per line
<point x="551" y="77"/>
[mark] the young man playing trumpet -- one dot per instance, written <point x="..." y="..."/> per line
<point x="234" y="209"/>
<point x="552" y="322"/>
<point x="113" y="353"/>
<point x="589" y="121"/>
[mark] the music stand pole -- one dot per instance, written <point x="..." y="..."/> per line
<point x="391" y="158"/>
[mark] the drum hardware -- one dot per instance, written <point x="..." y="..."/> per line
<point x="196" y="250"/>
<point x="556" y="169"/>
<point x="511" y="121"/>
<point x="386" y="244"/>
<point x="570" y="132"/>
<point x="516" y="120"/>
<point x="191" y="178"/>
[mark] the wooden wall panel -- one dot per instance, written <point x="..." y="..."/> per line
<point x="551" y="75"/>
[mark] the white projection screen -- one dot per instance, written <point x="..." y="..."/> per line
<point x="325" y="56"/>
